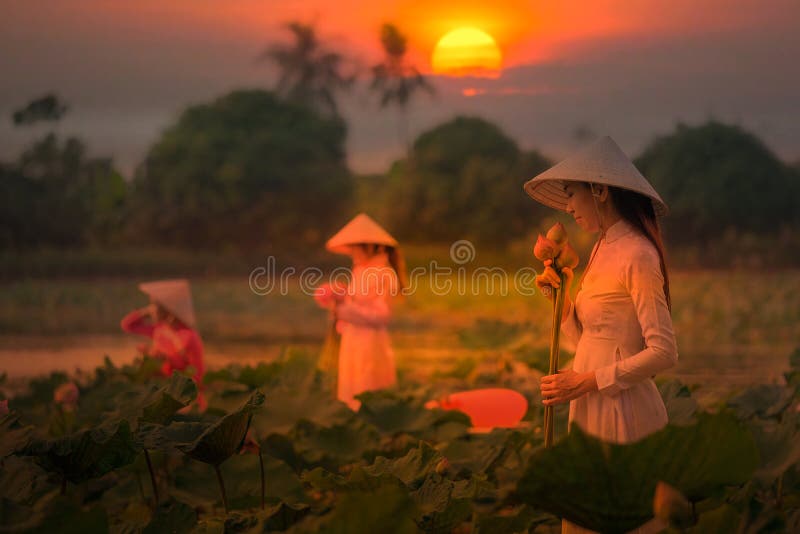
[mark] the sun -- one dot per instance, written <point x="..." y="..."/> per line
<point x="467" y="52"/>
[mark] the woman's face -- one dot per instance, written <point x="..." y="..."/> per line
<point x="157" y="312"/>
<point x="581" y="206"/>
<point x="359" y="254"/>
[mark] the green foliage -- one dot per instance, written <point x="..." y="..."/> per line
<point x="85" y="454"/>
<point x="56" y="194"/>
<point x="609" y="488"/>
<point x="46" y="108"/>
<point x="392" y="466"/>
<point x="764" y="400"/>
<point x="715" y="177"/>
<point x="13" y="435"/>
<point x="490" y="333"/>
<point x="681" y="406"/>
<point x="232" y="173"/>
<point x="174" y="517"/>
<point x="225" y="437"/>
<point x="463" y="179"/>
<point x="309" y="73"/>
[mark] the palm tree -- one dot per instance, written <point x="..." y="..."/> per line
<point x="309" y="74"/>
<point x="395" y="79"/>
<point x="47" y="108"/>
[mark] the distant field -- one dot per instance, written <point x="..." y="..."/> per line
<point x="732" y="329"/>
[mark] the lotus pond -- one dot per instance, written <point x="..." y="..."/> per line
<point x="275" y="452"/>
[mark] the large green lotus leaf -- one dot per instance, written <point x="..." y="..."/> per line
<point x="14" y="517"/>
<point x="281" y="516"/>
<point x="411" y="469"/>
<point x="159" y="437"/>
<point x="172" y="516"/>
<point x="681" y="407"/>
<point x="22" y="480"/>
<point x="764" y="400"/>
<point x="323" y="480"/>
<point x="755" y="519"/>
<point x="225" y="437"/>
<point x="779" y="448"/>
<point x="483" y="453"/>
<point x="336" y="445"/>
<point x="196" y="483"/>
<point x="388" y="509"/>
<point x="287" y="405"/>
<point x="13" y="435"/>
<point x="160" y="405"/>
<point x="393" y="414"/>
<point x="86" y="454"/>
<point x="523" y="519"/>
<point x="63" y="515"/>
<point x="439" y="512"/>
<point x="277" y="518"/>
<point x="610" y="487"/>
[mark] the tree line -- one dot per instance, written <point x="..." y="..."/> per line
<point x="268" y="169"/>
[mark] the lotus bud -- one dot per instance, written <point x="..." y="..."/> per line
<point x="67" y="396"/>
<point x="567" y="257"/>
<point x="557" y="233"/>
<point x="4" y="407"/>
<point x="545" y="249"/>
<point x="671" y="506"/>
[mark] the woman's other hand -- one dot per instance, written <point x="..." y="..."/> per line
<point x="566" y="386"/>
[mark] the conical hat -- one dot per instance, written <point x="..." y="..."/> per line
<point x="175" y="296"/>
<point x="603" y="162"/>
<point x="362" y="229"/>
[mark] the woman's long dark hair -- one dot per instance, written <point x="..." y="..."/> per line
<point x="396" y="261"/>
<point x="638" y="211"/>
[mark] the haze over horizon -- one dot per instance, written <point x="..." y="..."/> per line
<point x="625" y="68"/>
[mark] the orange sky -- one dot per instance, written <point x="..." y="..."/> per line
<point x="630" y="68"/>
<point x="526" y="31"/>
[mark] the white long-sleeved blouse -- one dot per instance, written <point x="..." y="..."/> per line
<point x="622" y="328"/>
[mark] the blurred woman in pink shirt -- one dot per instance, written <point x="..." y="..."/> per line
<point x="364" y="309"/>
<point x="169" y="322"/>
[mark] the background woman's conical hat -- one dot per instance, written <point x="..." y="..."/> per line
<point x="603" y="162"/>
<point x="362" y="229"/>
<point x="175" y="296"/>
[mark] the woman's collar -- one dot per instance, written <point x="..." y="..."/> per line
<point x="617" y="230"/>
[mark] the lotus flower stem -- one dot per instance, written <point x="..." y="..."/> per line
<point x="222" y="487"/>
<point x="263" y="484"/>
<point x="64" y="485"/>
<point x="152" y="477"/>
<point x="558" y="310"/>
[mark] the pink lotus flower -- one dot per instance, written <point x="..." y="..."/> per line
<point x="327" y="294"/>
<point x="558" y="234"/>
<point x="67" y="396"/>
<point x="545" y="249"/>
<point x="567" y="257"/>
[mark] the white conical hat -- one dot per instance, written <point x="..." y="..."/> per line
<point x="362" y="229"/>
<point x="603" y="162"/>
<point x="175" y="296"/>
